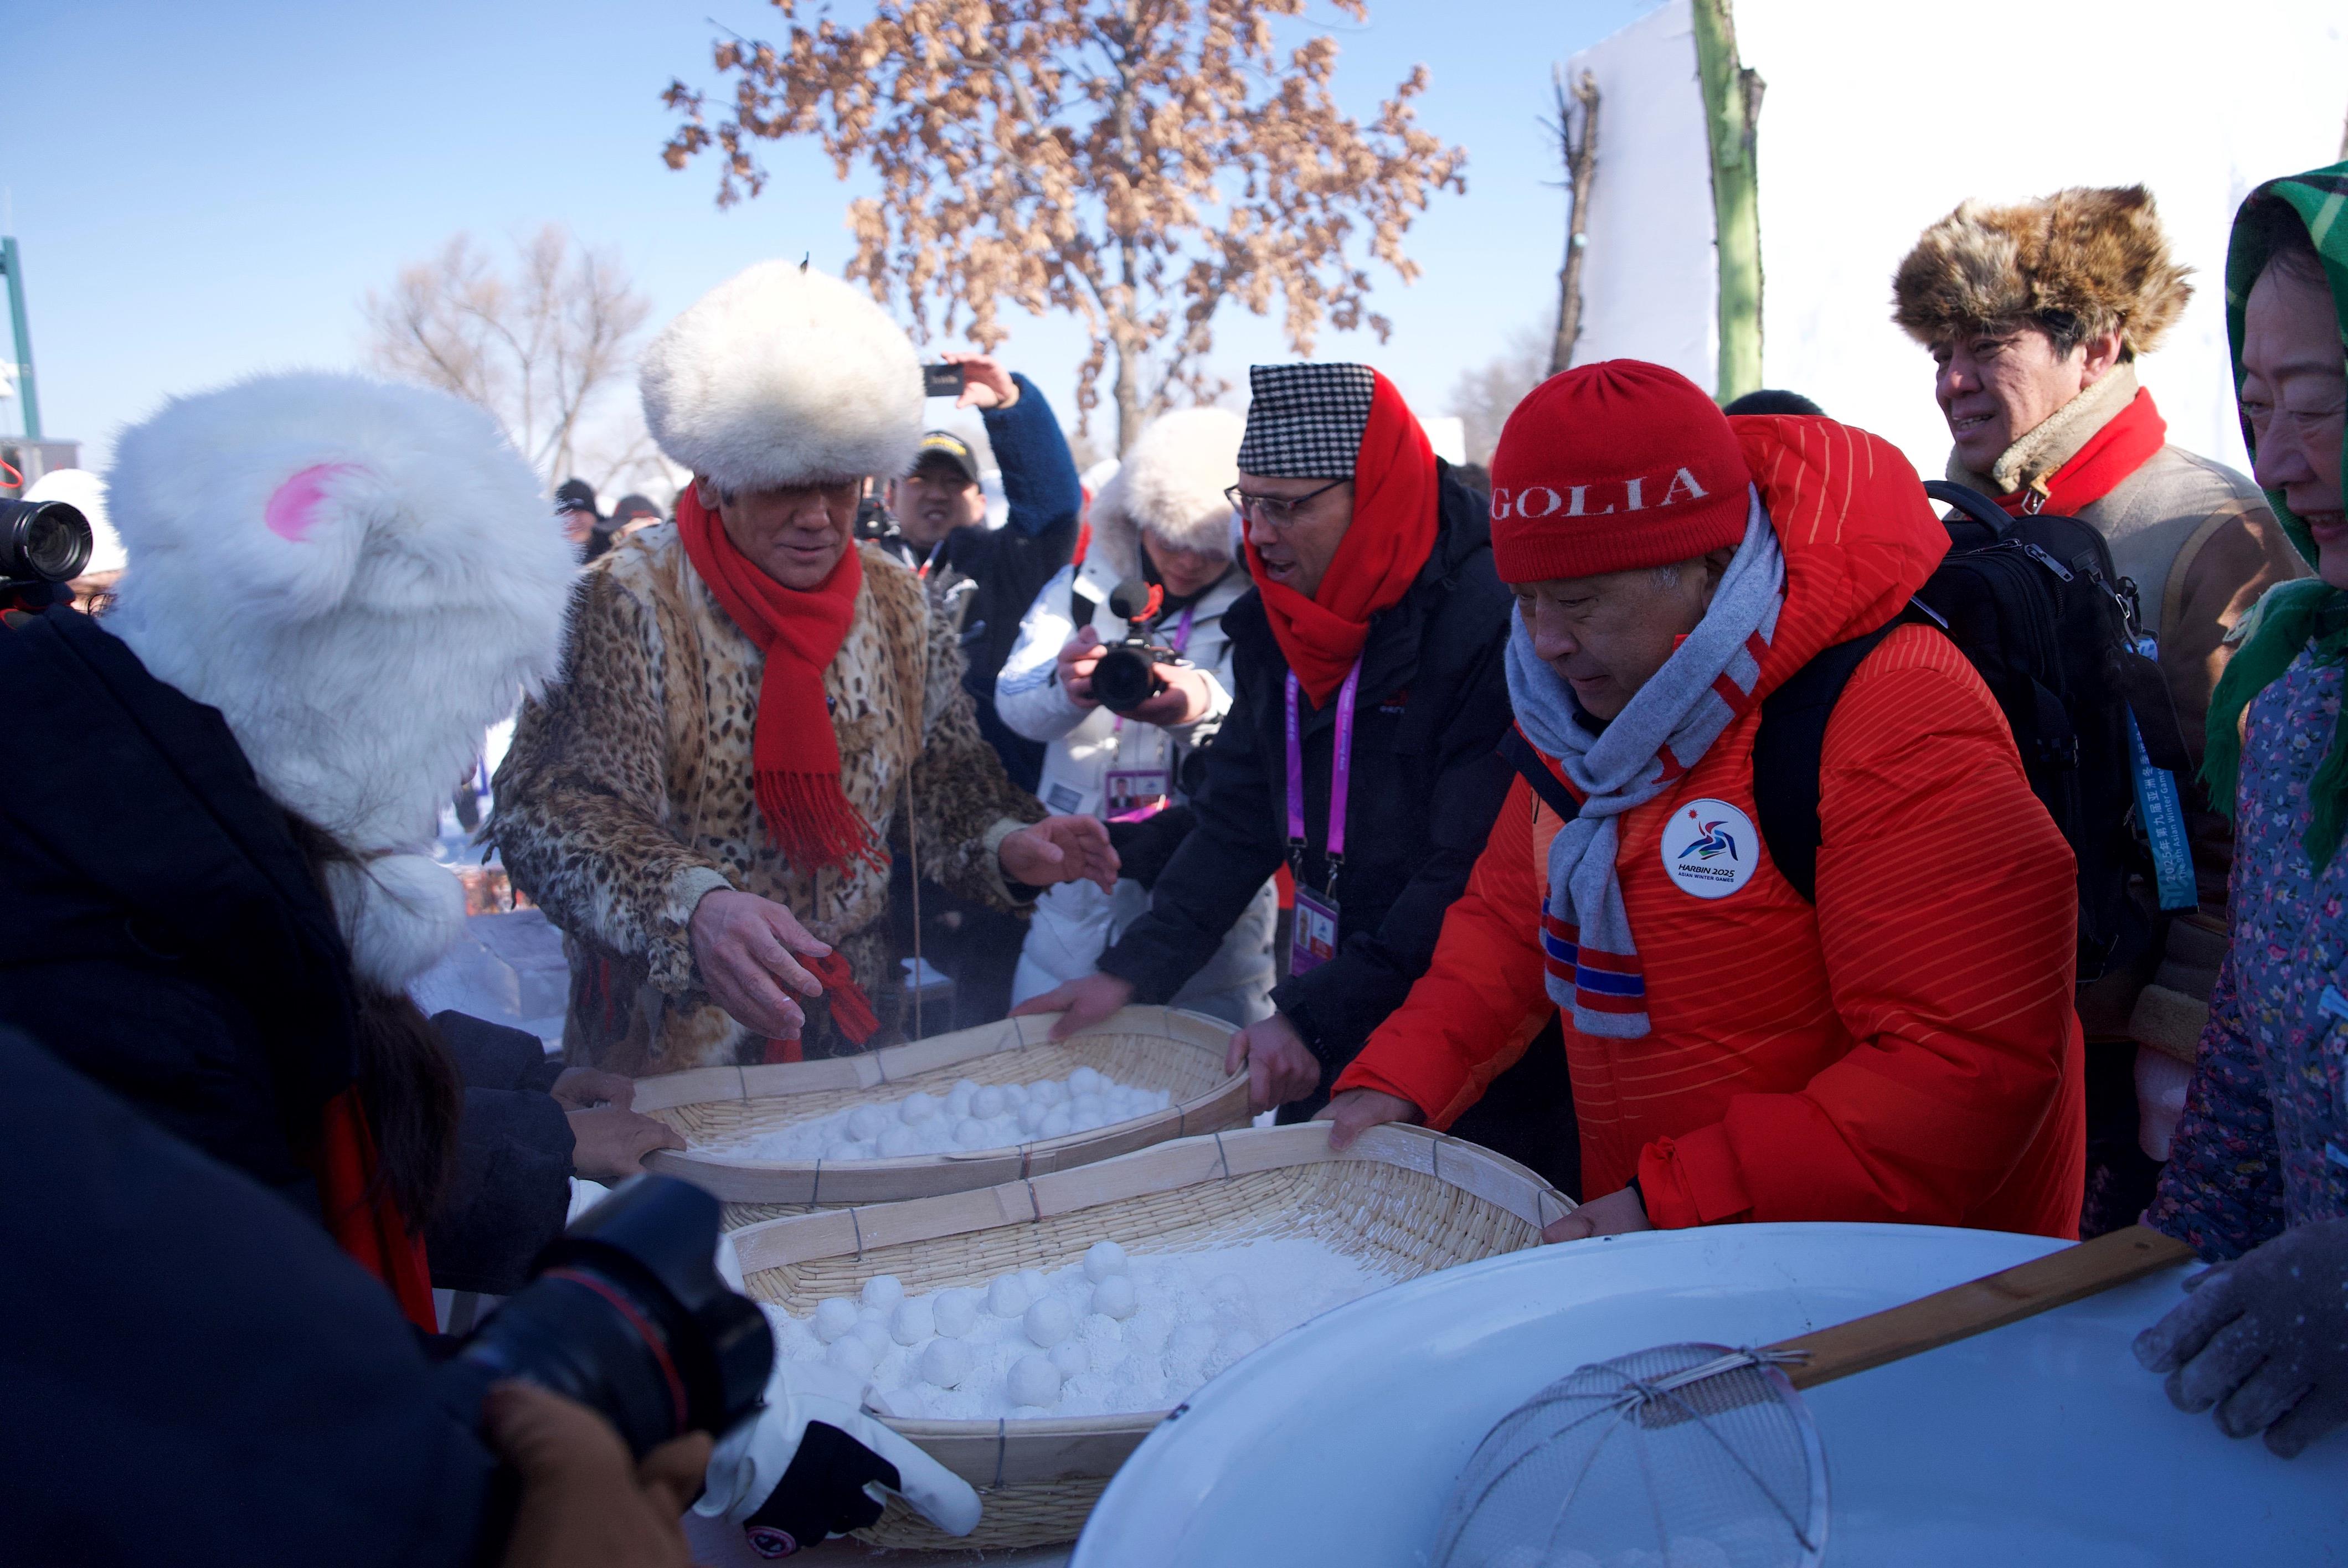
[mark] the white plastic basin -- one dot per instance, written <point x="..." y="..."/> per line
<point x="2042" y="1442"/>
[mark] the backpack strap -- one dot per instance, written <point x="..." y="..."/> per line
<point x="1789" y="747"/>
<point x="1522" y="755"/>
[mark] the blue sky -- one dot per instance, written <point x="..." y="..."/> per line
<point x="205" y="190"/>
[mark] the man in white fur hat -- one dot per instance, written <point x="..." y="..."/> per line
<point x="755" y="713"/>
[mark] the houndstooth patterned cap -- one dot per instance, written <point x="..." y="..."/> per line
<point x="1307" y="420"/>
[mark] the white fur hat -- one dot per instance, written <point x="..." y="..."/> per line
<point x="1172" y="482"/>
<point x="362" y="577"/>
<point x="783" y="376"/>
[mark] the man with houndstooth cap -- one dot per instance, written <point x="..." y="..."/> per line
<point x="1373" y="636"/>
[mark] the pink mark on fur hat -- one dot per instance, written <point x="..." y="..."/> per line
<point x="292" y="511"/>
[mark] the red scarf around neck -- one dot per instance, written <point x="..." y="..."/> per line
<point x="2125" y="444"/>
<point x="792" y="745"/>
<point x="1391" y="536"/>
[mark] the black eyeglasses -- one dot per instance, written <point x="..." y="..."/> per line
<point x="1274" y="511"/>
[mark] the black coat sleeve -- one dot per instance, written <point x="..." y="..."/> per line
<point x="191" y="1362"/>
<point x="510" y="1191"/>
<point x="1335" y="1005"/>
<point x="1206" y="885"/>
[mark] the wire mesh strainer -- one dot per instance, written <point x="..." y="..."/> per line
<point x="1685" y="1456"/>
<point x="1697" y="1456"/>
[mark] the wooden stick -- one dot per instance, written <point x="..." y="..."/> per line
<point x="1981" y="1305"/>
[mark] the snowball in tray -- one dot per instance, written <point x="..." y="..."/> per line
<point x="834" y="1318"/>
<point x="1102" y="1259"/>
<point x="1033" y="1278"/>
<point x="1033" y="1380"/>
<point x="968" y="1117"/>
<point x="1071" y="1357"/>
<point x="850" y="1355"/>
<point x="955" y="1312"/>
<point x="883" y="1292"/>
<point x="1049" y="1321"/>
<point x="1114" y="1297"/>
<point x="1006" y="1295"/>
<point x="1085" y="1080"/>
<point x="946" y="1363"/>
<point x="914" y="1321"/>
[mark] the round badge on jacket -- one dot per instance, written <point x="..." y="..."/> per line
<point x="1710" y="848"/>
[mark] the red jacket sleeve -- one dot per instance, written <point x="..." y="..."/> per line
<point x="1469" y="1017"/>
<point x="1947" y="911"/>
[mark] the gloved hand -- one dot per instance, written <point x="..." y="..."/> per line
<point x="2264" y="1339"/>
<point x="813" y="1464"/>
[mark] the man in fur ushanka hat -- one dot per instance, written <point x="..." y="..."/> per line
<point x="2034" y="314"/>
<point x="754" y="711"/>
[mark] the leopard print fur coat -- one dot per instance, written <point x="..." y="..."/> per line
<point x="627" y="795"/>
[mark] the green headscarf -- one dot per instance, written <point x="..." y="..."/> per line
<point x="2292" y="614"/>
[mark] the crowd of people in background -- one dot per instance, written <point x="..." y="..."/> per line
<point x="1634" y="806"/>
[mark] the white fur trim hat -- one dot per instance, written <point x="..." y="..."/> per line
<point x="783" y="376"/>
<point x="362" y="577"/>
<point x="1172" y="481"/>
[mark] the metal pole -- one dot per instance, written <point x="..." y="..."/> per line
<point x="14" y="268"/>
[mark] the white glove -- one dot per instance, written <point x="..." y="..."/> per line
<point x="813" y="1464"/>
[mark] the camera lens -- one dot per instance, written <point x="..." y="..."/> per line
<point x="630" y="1318"/>
<point x="49" y="540"/>
<point x="1124" y="679"/>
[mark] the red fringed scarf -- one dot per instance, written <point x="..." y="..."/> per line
<point x="2122" y="447"/>
<point x="1392" y="534"/>
<point x="792" y="745"/>
<point x="361" y="1215"/>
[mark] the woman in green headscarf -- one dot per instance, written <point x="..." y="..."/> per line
<point x="2257" y="1176"/>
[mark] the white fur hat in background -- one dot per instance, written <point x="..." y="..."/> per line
<point x="362" y="577"/>
<point x="782" y="376"/>
<point x="1172" y="480"/>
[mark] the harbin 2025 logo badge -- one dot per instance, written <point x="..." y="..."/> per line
<point x="1710" y="848"/>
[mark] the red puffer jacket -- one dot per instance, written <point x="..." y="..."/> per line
<point x="1904" y="1050"/>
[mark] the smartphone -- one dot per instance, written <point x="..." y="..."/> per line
<point x="941" y="380"/>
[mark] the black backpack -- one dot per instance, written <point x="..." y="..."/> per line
<point x="2034" y="605"/>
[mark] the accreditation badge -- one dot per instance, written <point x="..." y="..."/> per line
<point x="1710" y="848"/>
<point x="1313" y="940"/>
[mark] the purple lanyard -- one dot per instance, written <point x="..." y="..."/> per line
<point x="1341" y="772"/>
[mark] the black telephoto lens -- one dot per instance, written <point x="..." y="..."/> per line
<point x="45" y="541"/>
<point x="628" y="1317"/>
<point x="1124" y="679"/>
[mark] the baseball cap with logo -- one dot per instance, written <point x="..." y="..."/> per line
<point x="940" y="447"/>
<point x="1613" y="466"/>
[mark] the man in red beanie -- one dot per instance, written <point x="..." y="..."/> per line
<point x="1903" y="1049"/>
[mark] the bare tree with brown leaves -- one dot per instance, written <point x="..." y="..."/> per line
<point x="1135" y="163"/>
<point x="537" y="349"/>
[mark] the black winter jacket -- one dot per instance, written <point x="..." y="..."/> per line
<point x="196" y="1374"/>
<point x="1426" y="784"/>
<point x="160" y="932"/>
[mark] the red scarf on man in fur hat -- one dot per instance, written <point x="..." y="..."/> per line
<point x="1391" y="536"/>
<point x="792" y="745"/>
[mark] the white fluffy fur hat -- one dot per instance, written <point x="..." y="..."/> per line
<point x="362" y="577"/>
<point x="1172" y="482"/>
<point x="783" y="376"/>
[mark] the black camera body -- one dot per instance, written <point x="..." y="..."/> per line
<point x="43" y="545"/>
<point x="1126" y="675"/>
<point x="627" y="1315"/>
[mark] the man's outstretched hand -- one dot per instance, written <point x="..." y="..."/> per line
<point x="1085" y="1002"/>
<point x="1357" y="1110"/>
<point x="1612" y="1215"/>
<point x="748" y="949"/>
<point x="1281" y="1066"/>
<point x="1060" y="849"/>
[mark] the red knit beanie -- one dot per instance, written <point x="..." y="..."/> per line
<point x="1612" y="466"/>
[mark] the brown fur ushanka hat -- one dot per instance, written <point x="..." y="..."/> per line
<point x="2096" y="255"/>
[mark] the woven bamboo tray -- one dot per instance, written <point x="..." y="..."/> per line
<point x="1147" y="1047"/>
<point x="1402" y="1199"/>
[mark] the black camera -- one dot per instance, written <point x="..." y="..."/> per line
<point x="1126" y="675"/>
<point x="42" y="542"/>
<point x="627" y="1315"/>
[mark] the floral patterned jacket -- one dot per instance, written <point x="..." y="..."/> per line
<point x="2264" y="1141"/>
<point x="627" y="795"/>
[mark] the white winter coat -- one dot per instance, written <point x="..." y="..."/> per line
<point x="1075" y="921"/>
